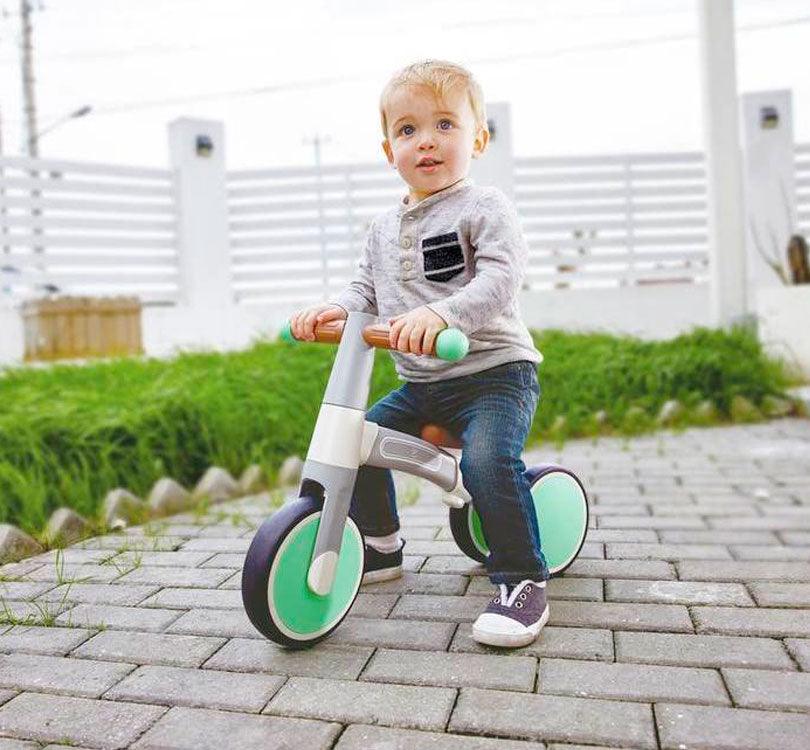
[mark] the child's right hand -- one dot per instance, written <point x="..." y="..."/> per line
<point x="302" y="323"/>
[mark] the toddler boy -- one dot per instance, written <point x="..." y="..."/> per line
<point x="451" y="254"/>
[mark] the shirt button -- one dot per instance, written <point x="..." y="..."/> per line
<point x="407" y="265"/>
<point x="406" y="242"/>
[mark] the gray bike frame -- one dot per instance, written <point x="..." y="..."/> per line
<point x="347" y="393"/>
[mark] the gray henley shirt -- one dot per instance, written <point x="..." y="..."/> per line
<point x="462" y="253"/>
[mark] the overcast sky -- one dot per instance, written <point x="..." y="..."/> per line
<point x="582" y="76"/>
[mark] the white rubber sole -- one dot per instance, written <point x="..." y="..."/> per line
<point x="492" y="637"/>
<point x="385" y="574"/>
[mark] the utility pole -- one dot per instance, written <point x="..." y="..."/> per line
<point x="724" y="186"/>
<point x="27" y="67"/>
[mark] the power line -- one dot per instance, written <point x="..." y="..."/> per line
<point x="321" y="82"/>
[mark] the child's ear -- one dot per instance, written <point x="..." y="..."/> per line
<point x="480" y="142"/>
<point x="389" y="153"/>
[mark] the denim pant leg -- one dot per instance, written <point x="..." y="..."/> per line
<point x="493" y="423"/>
<point x="374" y="507"/>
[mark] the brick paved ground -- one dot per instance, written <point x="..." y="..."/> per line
<point x="686" y="623"/>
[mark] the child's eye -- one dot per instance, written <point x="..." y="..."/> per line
<point x="406" y="130"/>
<point x="445" y="124"/>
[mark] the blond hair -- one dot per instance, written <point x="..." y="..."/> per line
<point x="440" y="77"/>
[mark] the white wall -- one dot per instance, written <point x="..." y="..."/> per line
<point x="12" y="342"/>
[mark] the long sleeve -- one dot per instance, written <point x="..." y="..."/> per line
<point x="359" y="295"/>
<point x="500" y="257"/>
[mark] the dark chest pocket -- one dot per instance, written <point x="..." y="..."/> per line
<point x="443" y="257"/>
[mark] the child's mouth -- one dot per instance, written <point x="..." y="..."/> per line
<point x="428" y="166"/>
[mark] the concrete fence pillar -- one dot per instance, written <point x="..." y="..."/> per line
<point x="729" y="304"/>
<point x="197" y="157"/>
<point x="497" y="166"/>
<point x="770" y="185"/>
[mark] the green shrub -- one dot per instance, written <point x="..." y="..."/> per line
<point x="68" y="434"/>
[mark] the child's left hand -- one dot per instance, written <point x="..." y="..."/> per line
<point x="415" y="331"/>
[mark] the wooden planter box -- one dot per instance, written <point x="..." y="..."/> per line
<point x="80" y="327"/>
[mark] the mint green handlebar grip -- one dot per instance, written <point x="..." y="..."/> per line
<point x="451" y="345"/>
<point x="286" y="333"/>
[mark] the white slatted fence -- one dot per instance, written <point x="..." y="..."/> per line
<point x="803" y="188"/>
<point x="85" y="228"/>
<point x="296" y="233"/>
<point x="608" y="221"/>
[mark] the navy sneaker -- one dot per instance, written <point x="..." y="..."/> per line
<point x="382" y="566"/>
<point x="514" y="617"/>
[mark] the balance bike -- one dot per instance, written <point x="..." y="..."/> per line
<point x="303" y="569"/>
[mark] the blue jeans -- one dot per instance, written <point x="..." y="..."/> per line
<point x="491" y="412"/>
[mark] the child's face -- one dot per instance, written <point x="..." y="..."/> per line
<point x="431" y="141"/>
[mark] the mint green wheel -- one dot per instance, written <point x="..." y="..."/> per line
<point x="275" y="593"/>
<point x="561" y="506"/>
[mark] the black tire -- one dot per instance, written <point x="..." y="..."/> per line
<point x="462" y="522"/>
<point x="259" y="562"/>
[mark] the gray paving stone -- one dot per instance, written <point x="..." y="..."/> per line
<point x="73" y="556"/>
<point x="204" y="729"/>
<point x="670" y="552"/>
<point x="186" y="598"/>
<point x="19" y="745"/>
<point x="451" y="670"/>
<point x="753" y="688"/>
<point x="678" y="592"/>
<point x="149" y="648"/>
<point x="650" y="522"/>
<point x="800" y="650"/>
<point x="217" y="545"/>
<point x="364" y="737"/>
<point x="19" y="570"/>
<point x="781" y="594"/>
<point x="717" y="536"/>
<point x="119" y="618"/>
<point x="682" y="726"/>
<point x="23" y="590"/>
<point x="615" y="615"/>
<point x="570" y="643"/>
<point x="403" y="634"/>
<point x="57" y="674"/>
<point x="720" y="570"/>
<point x="622" y="535"/>
<point x="98" y="593"/>
<point x="192" y="577"/>
<point x="56" y="718"/>
<point x="647" y="569"/>
<point x="160" y="559"/>
<point x="775" y="523"/>
<point x="247" y="655"/>
<point x="41" y="640"/>
<point x="453" y="564"/>
<point x="127" y="542"/>
<point x="229" y="623"/>
<point x="439" y="608"/>
<point x="631" y="682"/>
<point x="420" y="583"/>
<point x="431" y="548"/>
<point x="366" y="703"/>
<point x="553" y="718"/>
<point x="225" y="560"/>
<point x="197" y="688"/>
<point x="778" y="623"/>
<point x="81" y="573"/>
<point x="769" y="552"/>
<point x="701" y="650"/>
<point x="31" y="613"/>
<point x="373" y="605"/>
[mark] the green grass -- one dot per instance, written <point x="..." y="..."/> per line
<point x="68" y="434"/>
